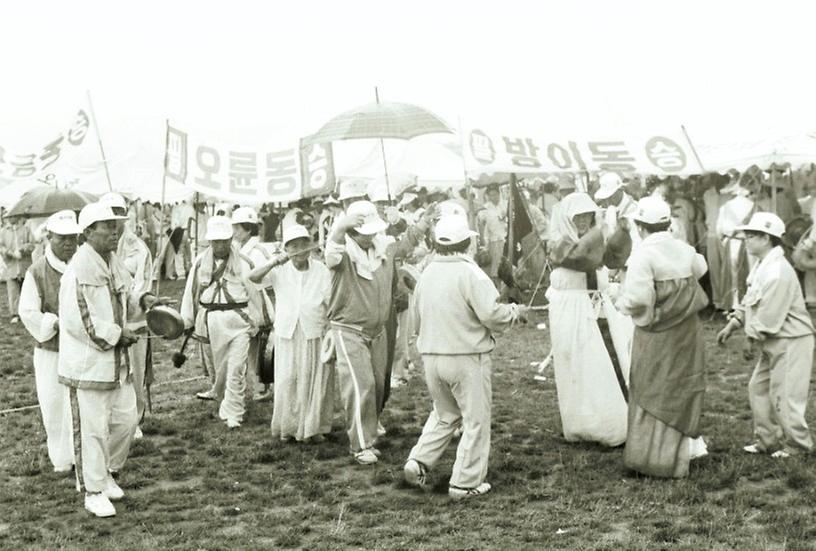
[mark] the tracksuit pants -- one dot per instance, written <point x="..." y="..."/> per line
<point x="778" y="392"/>
<point x="104" y="424"/>
<point x="361" y="371"/>
<point x="460" y="387"/>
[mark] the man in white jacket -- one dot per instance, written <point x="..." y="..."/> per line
<point x="94" y="302"/>
<point x="39" y="303"/>
<point x="222" y="306"/>
<point x="457" y="308"/>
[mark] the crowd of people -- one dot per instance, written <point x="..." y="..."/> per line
<point x="364" y="288"/>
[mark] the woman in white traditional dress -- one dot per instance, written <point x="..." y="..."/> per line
<point x="304" y="385"/>
<point x="591" y="388"/>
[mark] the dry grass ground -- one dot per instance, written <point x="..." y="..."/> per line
<point x="190" y="484"/>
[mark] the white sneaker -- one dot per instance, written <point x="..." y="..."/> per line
<point x="381" y="429"/>
<point x="465" y="493"/>
<point x="233" y="424"/>
<point x="113" y="491"/>
<point x="415" y="473"/>
<point x="697" y="449"/>
<point x="751" y="448"/>
<point x="365" y="457"/>
<point x="138" y="434"/>
<point x="780" y="454"/>
<point x="206" y="395"/>
<point x="99" y="505"/>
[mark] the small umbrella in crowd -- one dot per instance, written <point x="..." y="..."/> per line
<point x="46" y="200"/>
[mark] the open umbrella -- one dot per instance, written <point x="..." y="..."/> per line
<point x="401" y="121"/>
<point x="46" y="200"/>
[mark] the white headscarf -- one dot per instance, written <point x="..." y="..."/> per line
<point x="562" y="227"/>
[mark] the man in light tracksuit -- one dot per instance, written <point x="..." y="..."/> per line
<point x="94" y="301"/>
<point x="362" y="265"/>
<point x="774" y="315"/>
<point x="457" y="308"/>
<point x="39" y="305"/>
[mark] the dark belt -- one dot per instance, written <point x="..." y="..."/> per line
<point x="224" y="307"/>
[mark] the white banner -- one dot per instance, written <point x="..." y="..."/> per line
<point x="667" y="153"/>
<point x="278" y="173"/>
<point x="71" y="158"/>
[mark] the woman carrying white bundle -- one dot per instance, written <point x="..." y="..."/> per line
<point x="591" y="387"/>
<point x="667" y="377"/>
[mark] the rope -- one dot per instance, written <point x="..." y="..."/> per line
<point x="187" y="380"/>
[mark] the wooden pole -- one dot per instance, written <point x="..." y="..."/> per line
<point x="382" y="149"/>
<point x="511" y="213"/>
<point x="163" y="194"/>
<point x="195" y="239"/>
<point x="99" y="140"/>
<point x="773" y="190"/>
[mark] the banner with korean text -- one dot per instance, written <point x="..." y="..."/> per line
<point x="71" y="158"/>
<point x="275" y="173"/>
<point x="664" y="154"/>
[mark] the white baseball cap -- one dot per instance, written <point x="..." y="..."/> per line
<point x="351" y="189"/>
<point x="407" y="198"/>
<point x="245" y="215"/>
<point x="63" y="222"/>
<point x="610" y="182"/>
<point x="113" y="200"/>
<point x="295" y="231"/>
<point x="372" y="223"/>
<point x="452" y="229"/>
<point x="652" y="210"/>
<point x="218" y="228"/>
<point x="96" y="212"/>
<point x="765" y="222"/>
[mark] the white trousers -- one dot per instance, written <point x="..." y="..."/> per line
<point x="104" y="424"/>
<point x="138" y="364"/>
<point x="229" y="341"/>
<point x="55" y="406"/>
<point x="461" y="390"/>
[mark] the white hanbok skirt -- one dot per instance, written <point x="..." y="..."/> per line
<point x="590" y="399"/>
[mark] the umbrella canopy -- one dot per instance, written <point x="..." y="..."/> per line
<point x="381" y="120"/>
<point x="46" y="200"/>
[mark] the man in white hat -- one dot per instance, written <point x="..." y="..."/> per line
<point x="492" y="221"/>
<point x="245" y="230"/>
<point x="94" y="301"/>
<point x="773" y="314"/>
<point x="39" y="300"/>
<point x="304" y="384"/>
<point x="362" y="265"/>
<point x="331" y="210"/>
<point x="223" y="307"/>
<point x="457" y="309"/>
<point x="137" y="260"/>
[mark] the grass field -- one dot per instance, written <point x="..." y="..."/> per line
<point x="190" y="484"/>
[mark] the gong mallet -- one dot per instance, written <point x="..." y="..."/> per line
<point x="180" y="357"/>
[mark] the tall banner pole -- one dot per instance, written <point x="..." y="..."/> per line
<point x="773" y="189"/>
<point x="163" y="194"/>
<point x="99" y="140"/>
<point x="195" y="241"/>
<point x="382" y="149"/>
<point x="693" y="149"/>
<point x="511" y="210"/>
